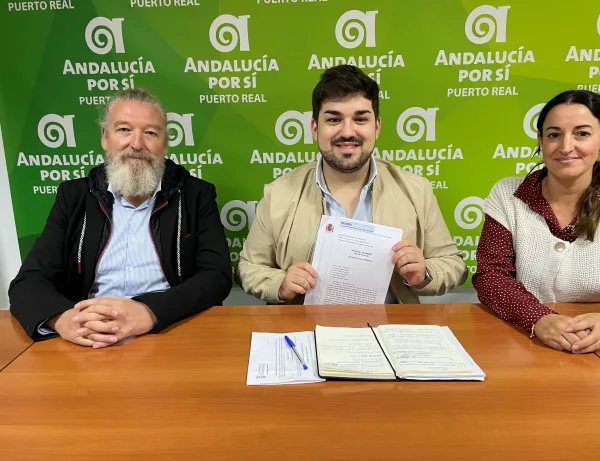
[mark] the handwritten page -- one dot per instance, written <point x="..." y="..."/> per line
<point x="353" y="260"/>
<point x="422" y="350"/>
<point x="348" y="352"/>
<point x="273" y="362"/>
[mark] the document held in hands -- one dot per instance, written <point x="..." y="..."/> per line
<point x="353" y="260"/>
<point x="393" y="352"/>
<point x="274" y="361"/>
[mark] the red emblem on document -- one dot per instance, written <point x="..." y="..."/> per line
<point x="329" y="228"/>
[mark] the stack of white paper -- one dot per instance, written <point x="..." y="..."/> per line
<point x="353" y="260"/>
<point x="273" y="362"/>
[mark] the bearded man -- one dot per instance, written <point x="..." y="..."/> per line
<point x="132" y="248"/>
<point x="348" y="182"/>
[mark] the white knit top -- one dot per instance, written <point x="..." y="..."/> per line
<point x="551" y="269"/>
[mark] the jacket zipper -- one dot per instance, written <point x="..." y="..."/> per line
<point x="105" y="245"/>
<point x="109" y="234"/>
<point x="154" y="243"/>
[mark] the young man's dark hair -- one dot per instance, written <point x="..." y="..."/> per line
<point x="342" y="81"/>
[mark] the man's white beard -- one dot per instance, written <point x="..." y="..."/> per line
<point x="134" y="173"/>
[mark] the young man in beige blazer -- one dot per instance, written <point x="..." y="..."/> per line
<point x="347" y="182"/>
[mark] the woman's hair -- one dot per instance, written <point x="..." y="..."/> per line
<point x="588" y="206"/>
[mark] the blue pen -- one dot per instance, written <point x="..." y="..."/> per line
<point x="293" y="348"/>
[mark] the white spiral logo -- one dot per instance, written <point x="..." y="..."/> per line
<point x="179" y="127"/>
<point x="101" y="34"/>
<point x="227" y="30"/>
<point x="413" y="123"/>
<point x="292" y="125"/>
<point x="237" y="214"/>
<point x="598" y="24"/>
<point x="352" y="27"/>
<point x="53" y="129"/>
<point x="468" y="214"/>
<point x="485" y="21"/>
<point x="531" y="119"/>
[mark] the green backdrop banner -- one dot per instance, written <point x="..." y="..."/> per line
<point x="462" y="83"/>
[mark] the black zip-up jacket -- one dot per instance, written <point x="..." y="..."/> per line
<point x="60" y="269"/>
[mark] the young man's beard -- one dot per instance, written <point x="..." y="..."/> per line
<point x="134" y="173"/>
<point x="339" y="164"/>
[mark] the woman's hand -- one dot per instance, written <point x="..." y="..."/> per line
<point x="585" y="322"/>
<point x="555" y="331"/>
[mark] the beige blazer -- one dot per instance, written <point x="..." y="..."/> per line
<point x="284" y="231"/>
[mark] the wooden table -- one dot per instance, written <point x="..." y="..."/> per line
<point x="13" y="339"/>
<point x="182" y="395"/>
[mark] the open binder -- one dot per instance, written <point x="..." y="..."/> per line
<point x="393" y="352"/>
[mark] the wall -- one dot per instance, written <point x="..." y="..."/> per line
<point x="461" y="84"/>
<point x="9" y="249"/>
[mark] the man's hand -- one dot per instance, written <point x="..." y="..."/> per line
<point x="68" y="329"/>
<point x="105" y="321"/>
<point x="300" y="278"/>
<point x="409" y="261"/>
<point x="555" y="331"/>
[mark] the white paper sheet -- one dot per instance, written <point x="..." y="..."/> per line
<point x="353" y="260"/>
<point x="273" y="362"/>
